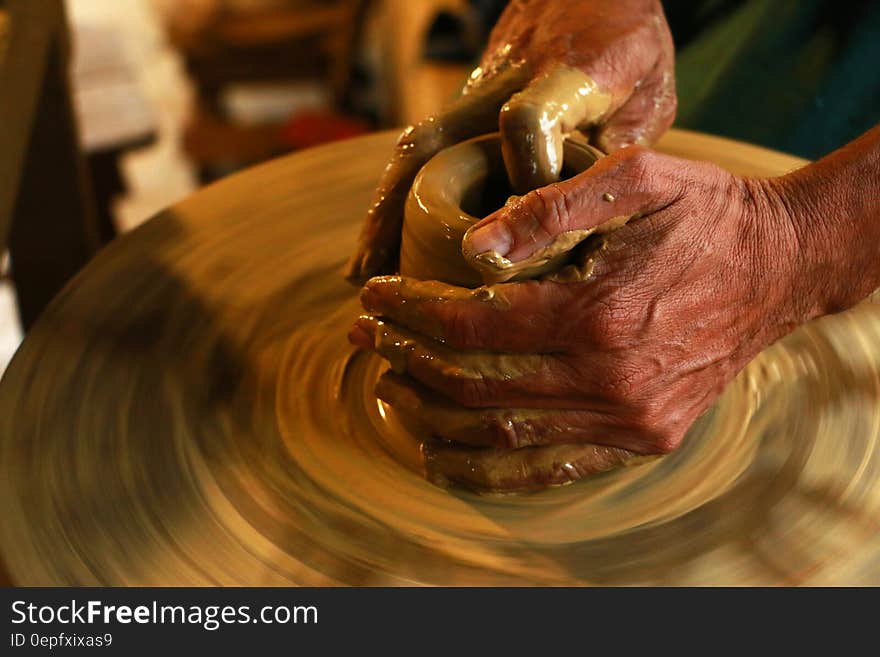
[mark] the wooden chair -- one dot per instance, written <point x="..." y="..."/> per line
<point x="47" y="219"/>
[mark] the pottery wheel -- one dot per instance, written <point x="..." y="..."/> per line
<point x="188" y="411"/>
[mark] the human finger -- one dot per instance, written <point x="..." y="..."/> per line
<point x="510" y="317"/>
<point x="630" y="183"/>
<point x="472" y="114"/>
<point x="472" y="379"/>
<point x="510" y="428"/>
<point x="520" y="470"/>
<point x="534" y="123"/>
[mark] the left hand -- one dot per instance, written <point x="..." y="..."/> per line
<point x="606" y="66"/>
<point x="597" y="370"/>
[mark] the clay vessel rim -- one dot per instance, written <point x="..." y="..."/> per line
<point x="441" y="184"/>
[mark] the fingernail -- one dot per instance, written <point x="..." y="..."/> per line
<point x="369" y="299"/>
<point x="492" y="236"/>
<point x="380" y="293"/>
<point x="359" y="337"/>
<point x="363" y="332"/>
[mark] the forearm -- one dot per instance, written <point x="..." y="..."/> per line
<point x="834" y="207"/>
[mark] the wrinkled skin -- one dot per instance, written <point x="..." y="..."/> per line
<point x="624" y="45"/>
<point x="679" y="300"/>
<point x="624" y="49"/>
<point x="542" y="382"/>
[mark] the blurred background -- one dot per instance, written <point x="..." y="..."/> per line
<point x="168" y="95"/>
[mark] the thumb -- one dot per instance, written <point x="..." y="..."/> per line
<point x="632" y="181"/>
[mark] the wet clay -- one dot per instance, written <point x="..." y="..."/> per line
<point x="420" y="291"/>
<point x="201" y="420"/>
<point x="495" y="268"/>
<point x="535" y="122"/>
<point x="404" y="350"/>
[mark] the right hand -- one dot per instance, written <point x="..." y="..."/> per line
<point x="551" y="67"/>
<point x="542" y="382"/>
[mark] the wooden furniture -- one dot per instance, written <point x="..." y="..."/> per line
<point x="47" y="219"/>
<point x="284" y="39"/>
<point x="275" y="41"/>
<point x="189" y="412"/>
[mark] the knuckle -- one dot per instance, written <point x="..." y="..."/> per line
<point x="607" y="325"/>
<point x="470" y="393"/>
<point x="506" y="433"/>
<point x="548" y="209"/>
<point x="569" y="471"/>
<point x="652" y="422"/>
<point x="601" y="328"/>
<point x="460" y="327"/>
<point x="636" y="162"/>
<point x="664" y="440"/>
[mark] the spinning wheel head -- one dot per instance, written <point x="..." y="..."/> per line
<point x="189" y="412"/>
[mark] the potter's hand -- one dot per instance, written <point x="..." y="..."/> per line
<point x="551" y="67"/>
<point x="673" y="305"/>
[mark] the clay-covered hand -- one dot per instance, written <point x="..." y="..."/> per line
<point x="619" y="354"/>
<point x="551" y="66"/>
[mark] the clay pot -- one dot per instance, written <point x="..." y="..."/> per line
<point x="456" y="188"/>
